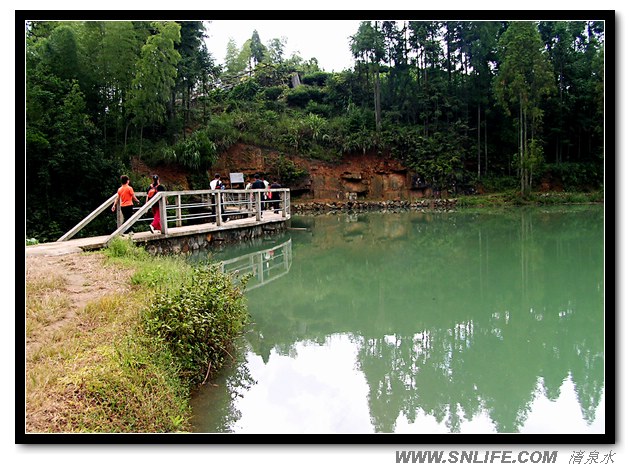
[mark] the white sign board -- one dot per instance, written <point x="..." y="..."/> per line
<point x="236" y="178"/>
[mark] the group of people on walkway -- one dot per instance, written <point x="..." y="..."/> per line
<point x="126" y="197"/>
<point x="271" y="198"/>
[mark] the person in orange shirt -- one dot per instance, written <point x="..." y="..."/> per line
<point x="127" y="197"/>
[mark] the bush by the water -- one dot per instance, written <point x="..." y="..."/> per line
<point x="198" y="321"/>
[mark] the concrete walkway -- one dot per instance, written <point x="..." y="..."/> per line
<point x="94" y="243"/>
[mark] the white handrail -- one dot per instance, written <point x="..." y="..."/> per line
<point x="87" y="219"/>
<point x="179" y="206"/>
<point x="129" y="222"/>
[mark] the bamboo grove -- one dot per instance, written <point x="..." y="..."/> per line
<point x="502" y="104"/>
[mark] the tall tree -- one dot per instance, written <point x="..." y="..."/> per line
<point x="209" y="73"/>
<point x="481" y="38"/>
<point x="275" y="49"/>
<point x="189" y="67"/>
<point x="234" y="64"/>
<point x="425" y="46"/>
<point x="109" y="52"/>
<point x="155" y="75"/>
<point x="257" y="50"/>
<point x="65" y="163"/>
<point x="525" y="77"/>
<point x="368" y="46"/>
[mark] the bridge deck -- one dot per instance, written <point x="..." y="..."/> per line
<point x="93" y="243"/>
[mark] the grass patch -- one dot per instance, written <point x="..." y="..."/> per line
<point x="567" y="197"/>
<point x="514" y="198"/>
<point x="46" y="303"/>
<point x="125" y="362"/>
<point x="129" y="385"/>
<point x="151" y="272"/>
<point x="488" y="200"/>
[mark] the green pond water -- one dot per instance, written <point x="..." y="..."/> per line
<point x="463" y="322"/>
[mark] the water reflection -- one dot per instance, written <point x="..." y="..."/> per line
<point x="425" y="323"/>
<point x="263" y="265"/>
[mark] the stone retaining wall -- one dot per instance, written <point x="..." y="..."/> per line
<point x="189" y="244"/>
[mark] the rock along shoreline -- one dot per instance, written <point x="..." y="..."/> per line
<point x="319" y="207"/>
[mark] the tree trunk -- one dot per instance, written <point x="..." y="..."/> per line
<point x="203" y="86"/>
<point x="485" y="144"/>
<point x="188" y="103"/>
<point x="520" y="146"/>
<point x="526" y="160"/>
<point x="557" y="149"/>
<point x="171" y="116"/>
<point x="377" y="99"/>
<point x="126" y="130"/>
<point x="105" y="127"/>
<point x="478" y="141"/>
<point x="448" y="55"/>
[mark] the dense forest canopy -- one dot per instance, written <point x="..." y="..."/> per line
<point x="500" y="103"/>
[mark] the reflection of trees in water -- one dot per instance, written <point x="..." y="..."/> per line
<point x="531" y="317"/>
<point x="494" y="368"/>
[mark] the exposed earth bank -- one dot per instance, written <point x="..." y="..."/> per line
<point x="369" y="176"/>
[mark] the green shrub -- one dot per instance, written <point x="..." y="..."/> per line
<point x="317" y="78"/>
<point x="577" y="176"/>
<point x="320" y="109"/>
<point x="300" y="96"/>
<point x="198" y="321"/>
<point x="196" y="151"/>
<point x="245" y="91"/>
<point x="286" y="170"/>
<point x="222" y="131"/>
<point x="272" y="93"/>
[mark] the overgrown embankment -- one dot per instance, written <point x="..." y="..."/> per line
<point x="116" y="339"/>
<point x="510" y="198"/>
<point x="514" y="198"/>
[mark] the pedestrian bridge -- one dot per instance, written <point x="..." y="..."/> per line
<point x="183" y="213"/>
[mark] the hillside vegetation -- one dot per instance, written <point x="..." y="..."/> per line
<point x="499" y="105"/>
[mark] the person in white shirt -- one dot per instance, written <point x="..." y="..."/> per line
<point x="216" y="184"/>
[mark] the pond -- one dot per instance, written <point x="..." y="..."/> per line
<point x="419" y="322"/>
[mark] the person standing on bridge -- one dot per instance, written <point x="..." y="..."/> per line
<point x="127" y="198"/>
<point x="267" y="194"/>
<point x="154" y="188"/>
<point x="275" y="196"/>
<point x="259" y="184"/>
<point x="216" y="184"/>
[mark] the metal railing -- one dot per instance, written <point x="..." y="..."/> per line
<point x="194" y="207"/>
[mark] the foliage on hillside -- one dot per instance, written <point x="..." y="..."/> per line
<point x="456" y="101"/>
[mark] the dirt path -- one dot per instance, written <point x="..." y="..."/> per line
<point x="80" y="278"/>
